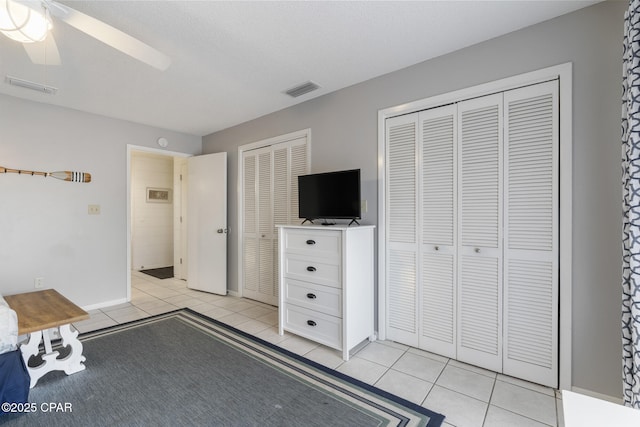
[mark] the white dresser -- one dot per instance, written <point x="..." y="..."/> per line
<point x="327" y="284"/>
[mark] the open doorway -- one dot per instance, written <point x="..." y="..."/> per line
<point x="156" y="205"/>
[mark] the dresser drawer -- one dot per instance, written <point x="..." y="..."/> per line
<point x="316" y="326"/>
<point x="317" y="270"/>
<point x="313" y="242"/>
<point x="314" y="297"/>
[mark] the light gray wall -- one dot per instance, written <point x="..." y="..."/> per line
<point x="344" y="135"/>
<point x="45" y="228"/>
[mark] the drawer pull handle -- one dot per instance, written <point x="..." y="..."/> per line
<point x="311" y="296"/>
<point x="311" y="323"/>
<point x="311" y="242"/>
<point x="311" y="268"/>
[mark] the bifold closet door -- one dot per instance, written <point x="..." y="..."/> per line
<point x="480" y="232"/>
<point x="421" y="212"/>
<point x="437" y="219"/>
<point x="401" y="229"/>
<point x="270" y="191"/>
<point x="259" y="282"/>
<point x="531" y="233"/>
<point x="472" y="231"/>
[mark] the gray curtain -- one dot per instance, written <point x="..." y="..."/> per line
<point x="631" y="206"/>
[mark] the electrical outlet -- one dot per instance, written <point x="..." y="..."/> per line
<point x="38" y="282"/>
<point x="94" y="209"/>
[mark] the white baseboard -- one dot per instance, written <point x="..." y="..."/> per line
<point x="232" y="293"/>
<point x="612" y="399"/>
<point x="104" y="304"/>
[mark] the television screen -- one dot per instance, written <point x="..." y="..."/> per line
<point x="331" y="195"/>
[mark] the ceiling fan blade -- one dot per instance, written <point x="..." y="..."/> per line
<point x="44" y="52"/>
<point x="110" y="36"/>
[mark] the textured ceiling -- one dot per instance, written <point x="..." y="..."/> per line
<point x="232" y="61"/>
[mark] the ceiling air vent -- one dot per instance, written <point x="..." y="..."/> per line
<point x="302" y="89"/>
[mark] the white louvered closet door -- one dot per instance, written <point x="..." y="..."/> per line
<point x="531" y="233"/>
<point x="257" y="235"/>
<point x="437" y="134"/>
<point x="472" y="231"/>
<point x="266" y="283"/>
<point x="402" y="222"/>
<point x="480" y="232"/>
<point x="250" y="224"/>
<point x="270" y="196"/>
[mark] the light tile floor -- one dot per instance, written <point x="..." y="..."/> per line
<point x="468" y="396"/>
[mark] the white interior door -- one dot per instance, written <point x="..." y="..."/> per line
<point x="207" y="223"/>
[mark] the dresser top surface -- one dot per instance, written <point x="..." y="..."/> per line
<point x="327" y="227"/>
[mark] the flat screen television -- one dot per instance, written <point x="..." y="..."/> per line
<point x="330" y="195"/>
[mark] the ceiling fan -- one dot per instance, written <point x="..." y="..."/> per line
<point x="29" y="22"/>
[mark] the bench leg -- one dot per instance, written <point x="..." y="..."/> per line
<point x="70" y="364"/>
<point x="74" y="361"/>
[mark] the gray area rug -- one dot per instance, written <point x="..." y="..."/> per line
<point x="185" y="369"/>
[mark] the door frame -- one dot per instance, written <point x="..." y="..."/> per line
<point x="240" y="188"/>
<point x="130" y="149"/>
<point x="563" y="73"/>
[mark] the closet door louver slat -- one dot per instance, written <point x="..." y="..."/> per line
<point x="531" y="234"/>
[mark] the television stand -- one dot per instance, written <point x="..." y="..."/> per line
<point x="307" y="219"/>
<point x="352" y="221"/>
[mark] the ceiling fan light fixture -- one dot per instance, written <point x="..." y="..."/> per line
<point x="25" y="22"/>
